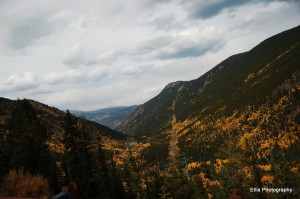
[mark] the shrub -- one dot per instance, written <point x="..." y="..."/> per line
<point x="21" y="184"/>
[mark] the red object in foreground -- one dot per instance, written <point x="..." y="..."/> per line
<point x="72" y="189"/>
<point x="236" y="194"/>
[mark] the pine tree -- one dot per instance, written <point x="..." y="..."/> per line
<point x="74" y="157"/>
<point x="4" y="157"/>
<point x="26" y="140"/>
<point x="116" y="184"/>
<point x="85" y="159"/>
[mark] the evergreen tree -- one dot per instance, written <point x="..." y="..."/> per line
<point x="26" y="140"/>
<point x="4" y="157"/>
<point x="74" y="157"/>
<point x="85" y="159"/>
<point x="116" y="184"/>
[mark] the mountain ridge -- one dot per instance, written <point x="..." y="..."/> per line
<point x="51" y="117"/>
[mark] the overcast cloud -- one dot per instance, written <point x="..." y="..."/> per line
<point x="92" y="54"/>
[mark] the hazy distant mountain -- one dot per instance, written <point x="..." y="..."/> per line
<point x="111" y="117"/>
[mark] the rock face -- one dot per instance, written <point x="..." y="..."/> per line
<point x="236" y="82"/>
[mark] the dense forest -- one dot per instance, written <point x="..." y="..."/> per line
<point x="76" y="155"/>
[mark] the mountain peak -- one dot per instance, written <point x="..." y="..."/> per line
<point x="173" y="85"/>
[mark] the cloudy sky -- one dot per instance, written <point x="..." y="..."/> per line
<point x="92" y="54"/>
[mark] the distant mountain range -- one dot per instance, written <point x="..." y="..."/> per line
<point x="240" y="80"/>
<point x="111" y="117"/>
<point x="51" y="118"/>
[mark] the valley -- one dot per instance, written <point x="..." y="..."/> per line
<point x="234" y="128"/>
<point x="111" y="117"/>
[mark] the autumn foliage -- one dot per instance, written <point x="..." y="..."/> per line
<point x="22" y="184"/>
<point x="254" y="146"/>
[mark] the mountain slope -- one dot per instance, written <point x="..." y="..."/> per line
<point x="235" y="127"/>
<point x="240" y="80"/>
<point x="111" y="117"/>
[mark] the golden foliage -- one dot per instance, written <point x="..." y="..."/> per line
<point x="264" y="136"/>
<point x="287" y="139"/>
<point x="244" y="141"/>
<point x="249" y="77"/>
<point x="266" y="167"/>
<point x="268" y="178"/>
<point x="219" y="164"/>
<point x="194" y="165"/>
<point x="58" y="148"/>
<point x="55" y="144"/>
<point x="207" y="182"/>
<point x="282" y="103"/>
<point x="295" y="169"/>
<point x="145" y="145"/>
<point x="247" y="171"/>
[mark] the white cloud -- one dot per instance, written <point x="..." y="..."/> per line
<point x="74" y="57"/>
<point x="33" y="81"/>
<point x="263" y="13"/>
<point x="98" y="53"/>
<point x="135" y="70"/>
<point x="96" y="74"/>
<point x="26" y="81"/>
<point x="61" y="77"/>
<point x="107" y="57"/>
<point x="153" y="44"/>
<point x="187" y="43"/>
<point x="76" y="76"/>
<point x="165" y="22"/>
